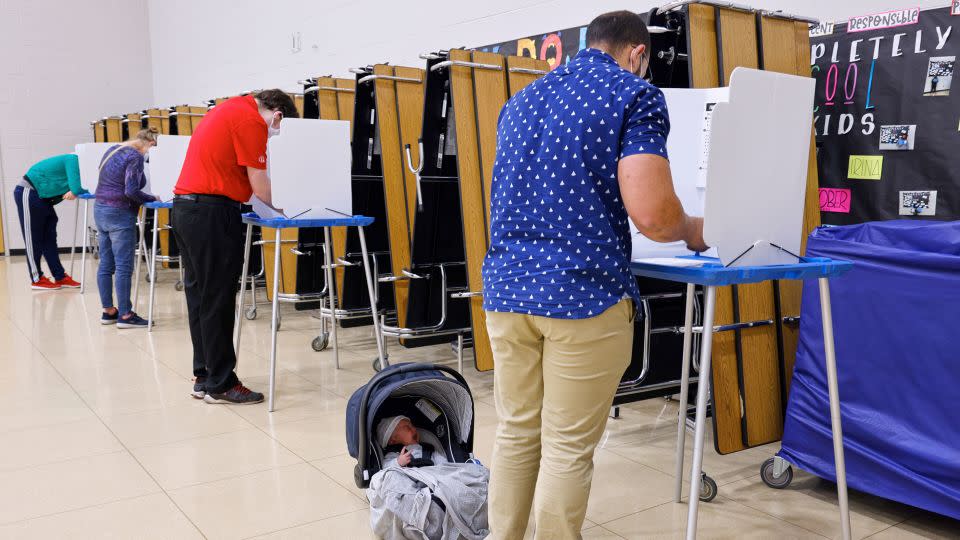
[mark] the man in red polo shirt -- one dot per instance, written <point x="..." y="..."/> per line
<point x="226" y="162"/>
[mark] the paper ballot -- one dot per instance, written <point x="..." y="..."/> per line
<point x="263" y="210"/>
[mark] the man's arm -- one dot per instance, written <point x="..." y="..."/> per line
<point x="260" y="183"/>
<point x="646" y="188"/>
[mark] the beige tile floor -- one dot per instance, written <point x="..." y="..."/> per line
<point x="98" y="439"/>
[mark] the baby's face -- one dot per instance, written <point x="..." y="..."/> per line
<point x="405" y="434"/>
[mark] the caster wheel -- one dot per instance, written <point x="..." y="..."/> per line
<point x="358" y="477"/>
<point x="178" y="285"/>
<point x="320" y="342"/>
<point x="766" y="474"/>
<point x="250" y="314"/>
<point x="376" y="364"/>
<point x="708" y="488"/>
<point x="147" y="277"/>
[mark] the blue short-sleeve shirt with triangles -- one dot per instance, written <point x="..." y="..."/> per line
<point x="559" y="234"/>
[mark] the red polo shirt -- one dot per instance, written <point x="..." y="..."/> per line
<point x="231" y="137"/>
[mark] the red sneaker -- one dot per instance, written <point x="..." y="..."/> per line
<point x="44" y="284"/>
<point x="68" y="282"/>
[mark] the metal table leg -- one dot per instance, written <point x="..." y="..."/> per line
<point x="238" y="319"/>
<point x="371" y="281"/>
<point x="831" y="358"/>
<point x="153" y="270"/>
<point x="684" y="388"/>
<point x="83" y="254"/>
<point x="141" y="219"/>
<point x="332" y="293"/>
<point x="73" y="245"/>
<point x="273" y="317"/>
<point x="703" y="389"/>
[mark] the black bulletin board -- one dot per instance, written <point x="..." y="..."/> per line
<point x="889" y="94"/>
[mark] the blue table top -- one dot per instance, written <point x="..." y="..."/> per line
<point x="158" y="204"/>
<point x="712" y="272"/>
<point x="288" y="223"/>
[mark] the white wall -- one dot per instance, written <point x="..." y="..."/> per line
<point x="63" y="64"/>
<point x="222" y="47"/>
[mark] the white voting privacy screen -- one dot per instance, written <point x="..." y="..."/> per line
<point x="166" y="160"/>
<point x="744" y="170"/>
<point x="309" y="168"/>
<point x="89" y="156"/>
<point x="757" y="168"/>
<point x="688" y="132"/>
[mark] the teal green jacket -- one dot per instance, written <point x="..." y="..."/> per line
<point x="54" y="176"/>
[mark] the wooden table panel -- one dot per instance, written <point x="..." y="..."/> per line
<point x="398" y="182"/>
<point x="738" y="40"/>
<point x="475" y="211"/>
<point x="517" y="81"/>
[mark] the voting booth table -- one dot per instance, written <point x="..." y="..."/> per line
<point x="89" y="156"/>
<point x="166" y="160"/>
<point x="752" y="146"/>
<point x="309" y="168"/>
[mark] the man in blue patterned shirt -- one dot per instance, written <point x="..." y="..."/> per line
<point x="579" y="152"/>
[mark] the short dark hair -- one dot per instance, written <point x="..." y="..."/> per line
<point x="616" y="30"/>
<point x="278" y="100"/>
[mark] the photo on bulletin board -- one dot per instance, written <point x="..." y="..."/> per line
<point x="897" y="137"/>
<point x="918" y="203"/>
<point x="939" y="76"/>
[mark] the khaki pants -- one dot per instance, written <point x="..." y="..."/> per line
<point x="554" y="383"/>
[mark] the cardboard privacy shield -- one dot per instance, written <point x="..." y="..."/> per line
<point x="757" y="168"/>
<point x="738" y="157"/>
<point x="166" y="160"/>
<point x="309" y="167"/>
<point x="89" y="155"/>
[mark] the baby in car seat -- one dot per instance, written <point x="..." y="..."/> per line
<point x="406" y="445"/>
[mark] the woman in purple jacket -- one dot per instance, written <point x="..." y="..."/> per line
<point x="119" y="196"/>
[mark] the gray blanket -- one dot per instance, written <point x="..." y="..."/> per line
<point x="402" y="502"/>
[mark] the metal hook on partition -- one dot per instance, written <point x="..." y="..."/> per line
<point x="528" y="70"/>
<point x="369" y="78"/>
<point x="447" y="63"/>
<point x="416" y="171"/>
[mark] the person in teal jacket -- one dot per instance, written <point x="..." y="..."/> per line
<point x="45" y="185"/>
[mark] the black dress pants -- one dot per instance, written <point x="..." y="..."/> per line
<point x="210" y="237"/>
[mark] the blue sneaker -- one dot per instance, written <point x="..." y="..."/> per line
<point x="106" y="318"/>
<point x="134" y="321"/>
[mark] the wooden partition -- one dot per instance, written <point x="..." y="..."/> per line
<point x="479" y="91"/>
<point x="132" y="124"/>
<point x="157" y="118"/>
<point x="399" y="107"/>
<point x="99" y="131"/>
<point x="114" y="128"/>
<point x="752" y="367"/>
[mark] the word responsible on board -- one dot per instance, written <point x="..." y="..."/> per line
<point x="865" y="167"/>
<point x="887" y="19"/>
<point x="835" y="200"/>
